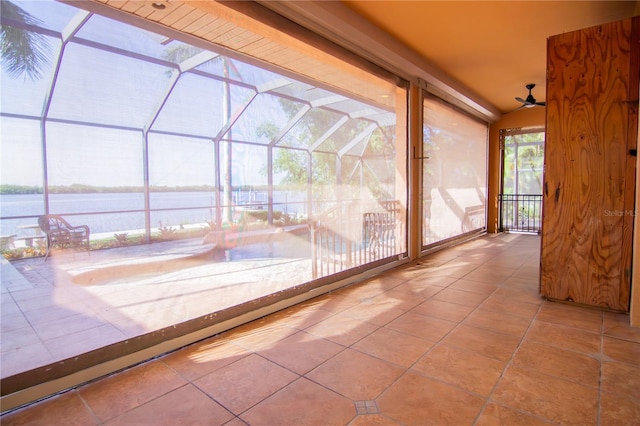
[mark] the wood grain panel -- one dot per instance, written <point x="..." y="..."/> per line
<point x="192" y="21"/>
<point x="633" y="104"/>
<point x="175" y="14"/>
<point x="132" y="6"/>
<point x="586" y="239"/>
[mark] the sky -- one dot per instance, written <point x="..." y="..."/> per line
<point x="117" y="96"/>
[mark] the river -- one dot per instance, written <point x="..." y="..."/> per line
<point x="98" y="210"/>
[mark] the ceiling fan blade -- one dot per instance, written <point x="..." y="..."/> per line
<point x="530" y="101"/>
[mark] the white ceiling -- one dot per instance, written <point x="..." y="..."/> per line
<point x="492" y="47"/>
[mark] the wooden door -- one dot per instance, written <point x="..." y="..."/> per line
<point x="589" y="184"/>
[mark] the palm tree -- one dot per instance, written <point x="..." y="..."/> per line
<point x="23" y="52"/>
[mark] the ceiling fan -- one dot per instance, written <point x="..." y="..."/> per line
<point x="530" y="102"/>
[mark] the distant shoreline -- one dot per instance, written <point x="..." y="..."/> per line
<point x="88" y="189"/>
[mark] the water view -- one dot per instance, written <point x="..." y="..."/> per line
<point x="119" y="212"/>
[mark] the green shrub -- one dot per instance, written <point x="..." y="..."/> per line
<point x="261" y="215"/>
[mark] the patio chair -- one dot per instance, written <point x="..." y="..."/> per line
<point x="61" y="234"/>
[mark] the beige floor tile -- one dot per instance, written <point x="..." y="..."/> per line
<point x="564" y="337"/>
<point x="362" y="291"/>
<point x="236" y="422"/>
<point x="497" y="415"/>
<point x="474" y="286"/>
<point x="621" y="350"/>
<point x="407" y="272"/>
<point x="571" y="316"/>
<point x="186" y="405"/>
<point x="428" y="279"/>
<point x="488" y="343"/>
<point x="419" y="289"/>
<point x="425" y="327"/>
<point x="241" y="385"/>
<point x="490" y="274"/>
<point x="443" y="310"/>
<point x="548" y="397"/>
<point x="617" y="325"/>
<point x="375" y="313"/>
<point x="261" y="334"/>
<point x="530" y="267"/>
<point x="619" y="410"/>
<point x="417" y="400"/>
<point x="621" y="378"/>
<point x="302" y="316"/>
<point x="356" y="375"/>
<point x="302" y="352"/>
<point x="64" y="409"/>
<point x="332" y="302"/>
<point x="497" y="321"/>
<point x="342" y="329"/>
<point x="528" y="294"/>
<point x="204" y="357"/>
<point x="461" y="297"/>
<point x="554" y="361"/>
<point x="503" y="304"/>
<point x="512" y="260"/>
<point x="393" y="346"/>
<point x="373" y="420"/>
<point x="398" y="299"/>
<point x="302" y="402"/>
<point x="455" y="269"/>
<point x="386" y="280"/>
<point x="524" y="279"/>
<point x="117" y="394"/>
<point x="474" y="257"/>
<point x="468" y="370"/>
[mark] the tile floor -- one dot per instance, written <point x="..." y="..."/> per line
<point x="458" y="338"/>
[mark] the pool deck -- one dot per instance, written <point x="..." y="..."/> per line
<point x="78" y="301"/>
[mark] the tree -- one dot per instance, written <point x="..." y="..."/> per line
<point x="293" y="163"/>
<point x="23" y="52"/>
<point x="523" y="163"/>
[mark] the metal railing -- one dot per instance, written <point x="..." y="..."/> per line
<point x="521" y="213"/>
<point x="353" y="234"/>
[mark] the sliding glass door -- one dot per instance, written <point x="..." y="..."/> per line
<point x="454" y="183"/>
